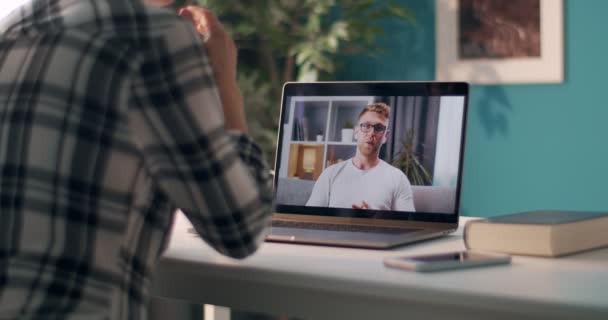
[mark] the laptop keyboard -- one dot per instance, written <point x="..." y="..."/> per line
<point x="340" y="227"/>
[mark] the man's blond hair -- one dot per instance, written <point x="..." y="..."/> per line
<point x="378" y="107"/>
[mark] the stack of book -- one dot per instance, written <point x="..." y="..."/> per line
<point x="543" y="233"/>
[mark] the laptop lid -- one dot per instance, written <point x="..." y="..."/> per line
<point x="324" y="129"/>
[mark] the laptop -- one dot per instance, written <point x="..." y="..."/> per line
<point x="369" y="164"/>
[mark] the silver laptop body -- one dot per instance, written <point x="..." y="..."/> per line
<point x="424" y="140"/>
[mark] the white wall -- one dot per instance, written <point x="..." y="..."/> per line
<point x="447" y="154"/>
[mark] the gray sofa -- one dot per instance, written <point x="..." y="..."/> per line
<point x="292" y="191"/>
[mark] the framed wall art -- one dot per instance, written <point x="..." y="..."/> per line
<point x="500" y="41"/>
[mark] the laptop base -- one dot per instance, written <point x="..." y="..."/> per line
<point x="351" y="238"/>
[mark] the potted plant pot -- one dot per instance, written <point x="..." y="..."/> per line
<point x="348" y="131"/>
<point x="347" y="134"/>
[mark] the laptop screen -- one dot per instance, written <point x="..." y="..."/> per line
<point x="386" y="150"/>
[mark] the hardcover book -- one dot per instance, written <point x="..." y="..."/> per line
<point x="548" y="233"/>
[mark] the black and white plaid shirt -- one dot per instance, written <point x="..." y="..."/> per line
<point x="109" y="121"/>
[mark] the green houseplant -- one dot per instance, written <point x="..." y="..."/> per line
<point x="348" y="130"/>
<point x="408" y="161"/>
<point x="296" y="40"/>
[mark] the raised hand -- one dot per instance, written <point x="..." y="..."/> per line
<point x="362" y="205"/>
<point x="223" y="58"/>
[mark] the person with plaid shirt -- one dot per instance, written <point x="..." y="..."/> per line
<point x="113" y="115"/>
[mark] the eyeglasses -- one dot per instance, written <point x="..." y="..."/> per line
<point x="366" y="127"/>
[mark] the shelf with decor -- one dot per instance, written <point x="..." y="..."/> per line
<point x="319" y="132"/>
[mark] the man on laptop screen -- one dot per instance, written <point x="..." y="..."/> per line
<point x="365" y="181"/>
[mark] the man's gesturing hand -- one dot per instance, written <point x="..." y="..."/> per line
<point x="362" y="205"/>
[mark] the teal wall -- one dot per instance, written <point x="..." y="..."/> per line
<point x="528" y="146"/>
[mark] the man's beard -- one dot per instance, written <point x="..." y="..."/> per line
<point x="369" y="150"/>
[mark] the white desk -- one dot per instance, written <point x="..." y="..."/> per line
<point x="315" y="282"/>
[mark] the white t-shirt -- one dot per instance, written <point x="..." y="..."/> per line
<point x="383" y="187"/>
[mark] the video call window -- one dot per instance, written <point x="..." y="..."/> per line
<point x="421" y="139"/>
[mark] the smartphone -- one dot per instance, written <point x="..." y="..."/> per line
<point x="447" y="261"/>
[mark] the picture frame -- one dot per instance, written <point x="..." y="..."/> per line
<point x="505" y="43"/>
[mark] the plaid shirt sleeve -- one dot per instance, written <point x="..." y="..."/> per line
<point x="218" y="178"/>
